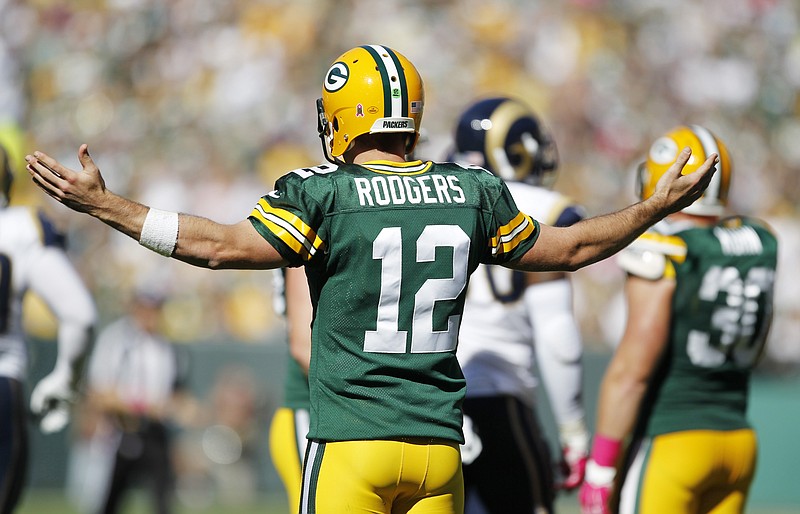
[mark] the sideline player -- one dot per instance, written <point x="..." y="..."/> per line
<point x="32" y="258"/>
<point x="290" y="423"/>
<point x="513" y="320"/>
<point x="699" y="294"/>
<point x="388" y="247"/>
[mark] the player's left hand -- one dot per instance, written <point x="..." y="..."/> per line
<point x="677" y="190"/>
<point x="596" y="489"/>
<point x="82" y="191"/>
<point x="51" y="400"/>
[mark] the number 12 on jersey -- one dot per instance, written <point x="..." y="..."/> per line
<point x="388" y="248"/>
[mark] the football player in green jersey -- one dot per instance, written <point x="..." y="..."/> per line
<point x="699" y="296"/>
<point x="289" y="425"/>
<point x="388" y="246"/>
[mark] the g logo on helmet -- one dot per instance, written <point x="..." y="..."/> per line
<point x="336" y="77"/>
<point x="664" y="151"/>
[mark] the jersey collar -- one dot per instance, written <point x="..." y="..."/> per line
<point x="398" y="168"/>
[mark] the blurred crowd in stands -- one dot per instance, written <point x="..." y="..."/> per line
<point x="200" y="106"/>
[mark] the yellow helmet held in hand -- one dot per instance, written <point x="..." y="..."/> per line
<point x="369" y="89"/>
<point x="703" y="142"/>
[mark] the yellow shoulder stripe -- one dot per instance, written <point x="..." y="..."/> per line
<point x="289" y="228"/>
<point x="511" y="234"/>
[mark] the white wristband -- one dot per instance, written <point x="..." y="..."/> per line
<point x="160" y="231"/>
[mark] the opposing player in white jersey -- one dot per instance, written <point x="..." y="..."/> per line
<point x="32" y="258"/>
<point x="513" y="319"/>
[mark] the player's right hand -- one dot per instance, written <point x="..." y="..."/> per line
<point x="472" y="446"/>
<point x="51" y="399"/>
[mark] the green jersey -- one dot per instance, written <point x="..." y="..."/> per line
<point x="721" y="311"/>
<point x="295" y="384"/>
<point x="388" y="250"/>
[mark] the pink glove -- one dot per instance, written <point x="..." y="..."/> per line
<point x="573" y="468"/>
<point x="574" y="439"/>
<point x="596" y="489"/>
<point x="600" y="474"/>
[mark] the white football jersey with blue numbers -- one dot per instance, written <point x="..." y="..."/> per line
<point x="496" y="340"/>
<point x="32" y="258"/>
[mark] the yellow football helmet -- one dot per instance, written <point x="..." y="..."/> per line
<point x="703" y="142"/>
<point x="369" y="89"/>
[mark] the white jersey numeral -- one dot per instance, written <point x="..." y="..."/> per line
<point x="740" y="335"/>
<point x="387" y="247"/>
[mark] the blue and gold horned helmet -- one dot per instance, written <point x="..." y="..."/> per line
<point x="504" y="136"/>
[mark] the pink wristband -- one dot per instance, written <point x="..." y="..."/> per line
<point x="605" y="451"/>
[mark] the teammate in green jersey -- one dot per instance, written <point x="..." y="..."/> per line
<point x="699" y="294"/>
<point x="388" y="247"/>
<point x="289" y="425"/>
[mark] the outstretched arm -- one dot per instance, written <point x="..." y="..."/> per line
<point x="200" y="241"/>
<point x="594" y="239"/>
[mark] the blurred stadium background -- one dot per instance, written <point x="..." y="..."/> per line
<point x="200" y="106"/>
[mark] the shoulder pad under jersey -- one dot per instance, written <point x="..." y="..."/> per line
<point x="650" y="256"/>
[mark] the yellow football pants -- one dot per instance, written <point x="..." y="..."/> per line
<point x="383" y="477"/>
<point x="691" y="472"/>
<point x="287" y="446"/>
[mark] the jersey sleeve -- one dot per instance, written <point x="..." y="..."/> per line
<point x="511" y="232"/>
<point x="652" y="255"/>
<point x="289" y="218"/>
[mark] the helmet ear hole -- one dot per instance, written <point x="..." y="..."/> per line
<point x="335" y="124"/>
